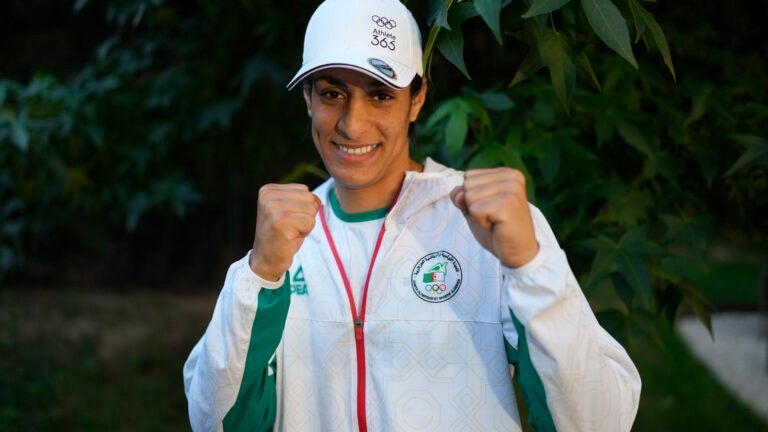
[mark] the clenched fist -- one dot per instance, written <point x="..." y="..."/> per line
<point x="286" y="215"/>
<point x="495" y="205"/>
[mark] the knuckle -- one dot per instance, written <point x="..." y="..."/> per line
<point x="513" y="173"/>
<point x="266" y="188"/>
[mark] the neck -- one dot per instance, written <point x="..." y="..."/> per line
<point x="372" y="198"/>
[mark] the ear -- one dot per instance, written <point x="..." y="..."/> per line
<point x="417" y="100"/>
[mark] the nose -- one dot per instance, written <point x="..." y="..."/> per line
<point x="354" y="120"/>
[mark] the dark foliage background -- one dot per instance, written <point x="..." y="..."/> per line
<point x="134" y="135"/>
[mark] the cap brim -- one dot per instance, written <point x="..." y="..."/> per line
<point x="401" y="78"/>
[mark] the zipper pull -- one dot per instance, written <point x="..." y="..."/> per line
<point x="358" y="329"/>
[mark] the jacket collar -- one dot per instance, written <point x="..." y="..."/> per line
<point x="423" y="189"/>
<point x="420" y="190"/>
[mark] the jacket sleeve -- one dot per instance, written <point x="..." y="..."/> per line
<point x="228" y="379"/>
<point x="573" y="375"/>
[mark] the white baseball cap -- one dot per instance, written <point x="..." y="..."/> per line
<point x="376" y="37"/>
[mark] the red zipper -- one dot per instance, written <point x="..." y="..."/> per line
<point x="357" y="319"/>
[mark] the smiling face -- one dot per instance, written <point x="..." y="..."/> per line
<point x="360" y="130"/>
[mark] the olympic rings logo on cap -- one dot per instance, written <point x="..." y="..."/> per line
<point x="384" y="22"/>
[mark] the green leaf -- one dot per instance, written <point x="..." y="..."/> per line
<point x="631" y="208"/>
<point x="543" y="111"/>
<point x="451" y="45"/>
<point x="438" y="13"/>
<point x="456" y="132"/>
<point x="605" y="126"/>
<point x="19" y="133"/>
<point x="498" y="101"/>
<point x="635" y="241"/>
<point x="462" y="12"/>
<point x="513" y="158"/>
<point x="693" y="230"/>
<point x="79" y="5"/>
<point x="623" y="289"/>
<point x="429" y="51"/>
<point x="632" y="249"/>
<point x="709" y="162"/>
<point x="219" y="114"/>
<point x="699" y="305"/>
<point x="444" y="110"/>
<point x="633" y="269"/>
<point x="627" y="257"/>
<point x="488" y="157"/>
<point x="605" y="257"/>
<point x="451" y="42"/>
<point x="539" y="7"/>
<point x="137" y="205"/>
<point x="757" y="152"/>
<point x="139" y="14"/>
<point x="490" y="10"/>
<point x="474" y="107"/>
<point x="550" y="162"/>
<point x="584" y="62"/>
<point x="609" y="25"/>
<point x="614" y="322"/>
<point x="656" y="32"/>
<point x="554" y="52"/>
<point x="456" y="111"/>
<point x="700" y="102"/>
<point x="635" y="137"/>
<point x="530" y="65"/>
<point x="637" y="19"/>
<point x="299" y="171"/>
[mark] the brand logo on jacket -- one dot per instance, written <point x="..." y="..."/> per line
<point x="436" y="277"/>
<point x="298" y="284"/>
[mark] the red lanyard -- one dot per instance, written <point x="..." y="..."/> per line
<point x="358" y="319"/>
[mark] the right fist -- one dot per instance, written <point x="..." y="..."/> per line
<point x="286" y="215"/>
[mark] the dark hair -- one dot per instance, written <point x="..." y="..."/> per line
<point x="414" y="87"/>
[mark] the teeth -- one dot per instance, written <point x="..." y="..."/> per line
<point x="358" y="150"/>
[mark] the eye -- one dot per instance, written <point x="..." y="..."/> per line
<point x="382" y="97"/>
<point x="332" y="94"/>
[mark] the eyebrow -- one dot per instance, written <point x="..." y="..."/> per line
<point x="330" y="79"/>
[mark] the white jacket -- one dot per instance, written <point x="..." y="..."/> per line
<point x="445" y="323"/>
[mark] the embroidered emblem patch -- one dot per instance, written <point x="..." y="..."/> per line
<point x="436" y="277"/>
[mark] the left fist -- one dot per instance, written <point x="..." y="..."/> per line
<point x="495" y="205"/>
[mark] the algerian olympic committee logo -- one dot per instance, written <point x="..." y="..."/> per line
<point x="436" y="277"/>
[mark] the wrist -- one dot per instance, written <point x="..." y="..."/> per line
<point x="521" y="258"/>
<point x="262" y="270"/>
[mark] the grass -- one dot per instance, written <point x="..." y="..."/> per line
<point x="681" y="394"/>
<point x="86" y="361"/>
<point x="93" y="362"/>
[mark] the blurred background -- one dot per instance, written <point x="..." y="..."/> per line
<point x="134" y="135"/>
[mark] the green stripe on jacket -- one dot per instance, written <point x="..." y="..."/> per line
<point x="530" y="383"/>
<point x="256" y="404"/>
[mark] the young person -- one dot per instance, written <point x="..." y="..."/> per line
<point x="398" y="296"/>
